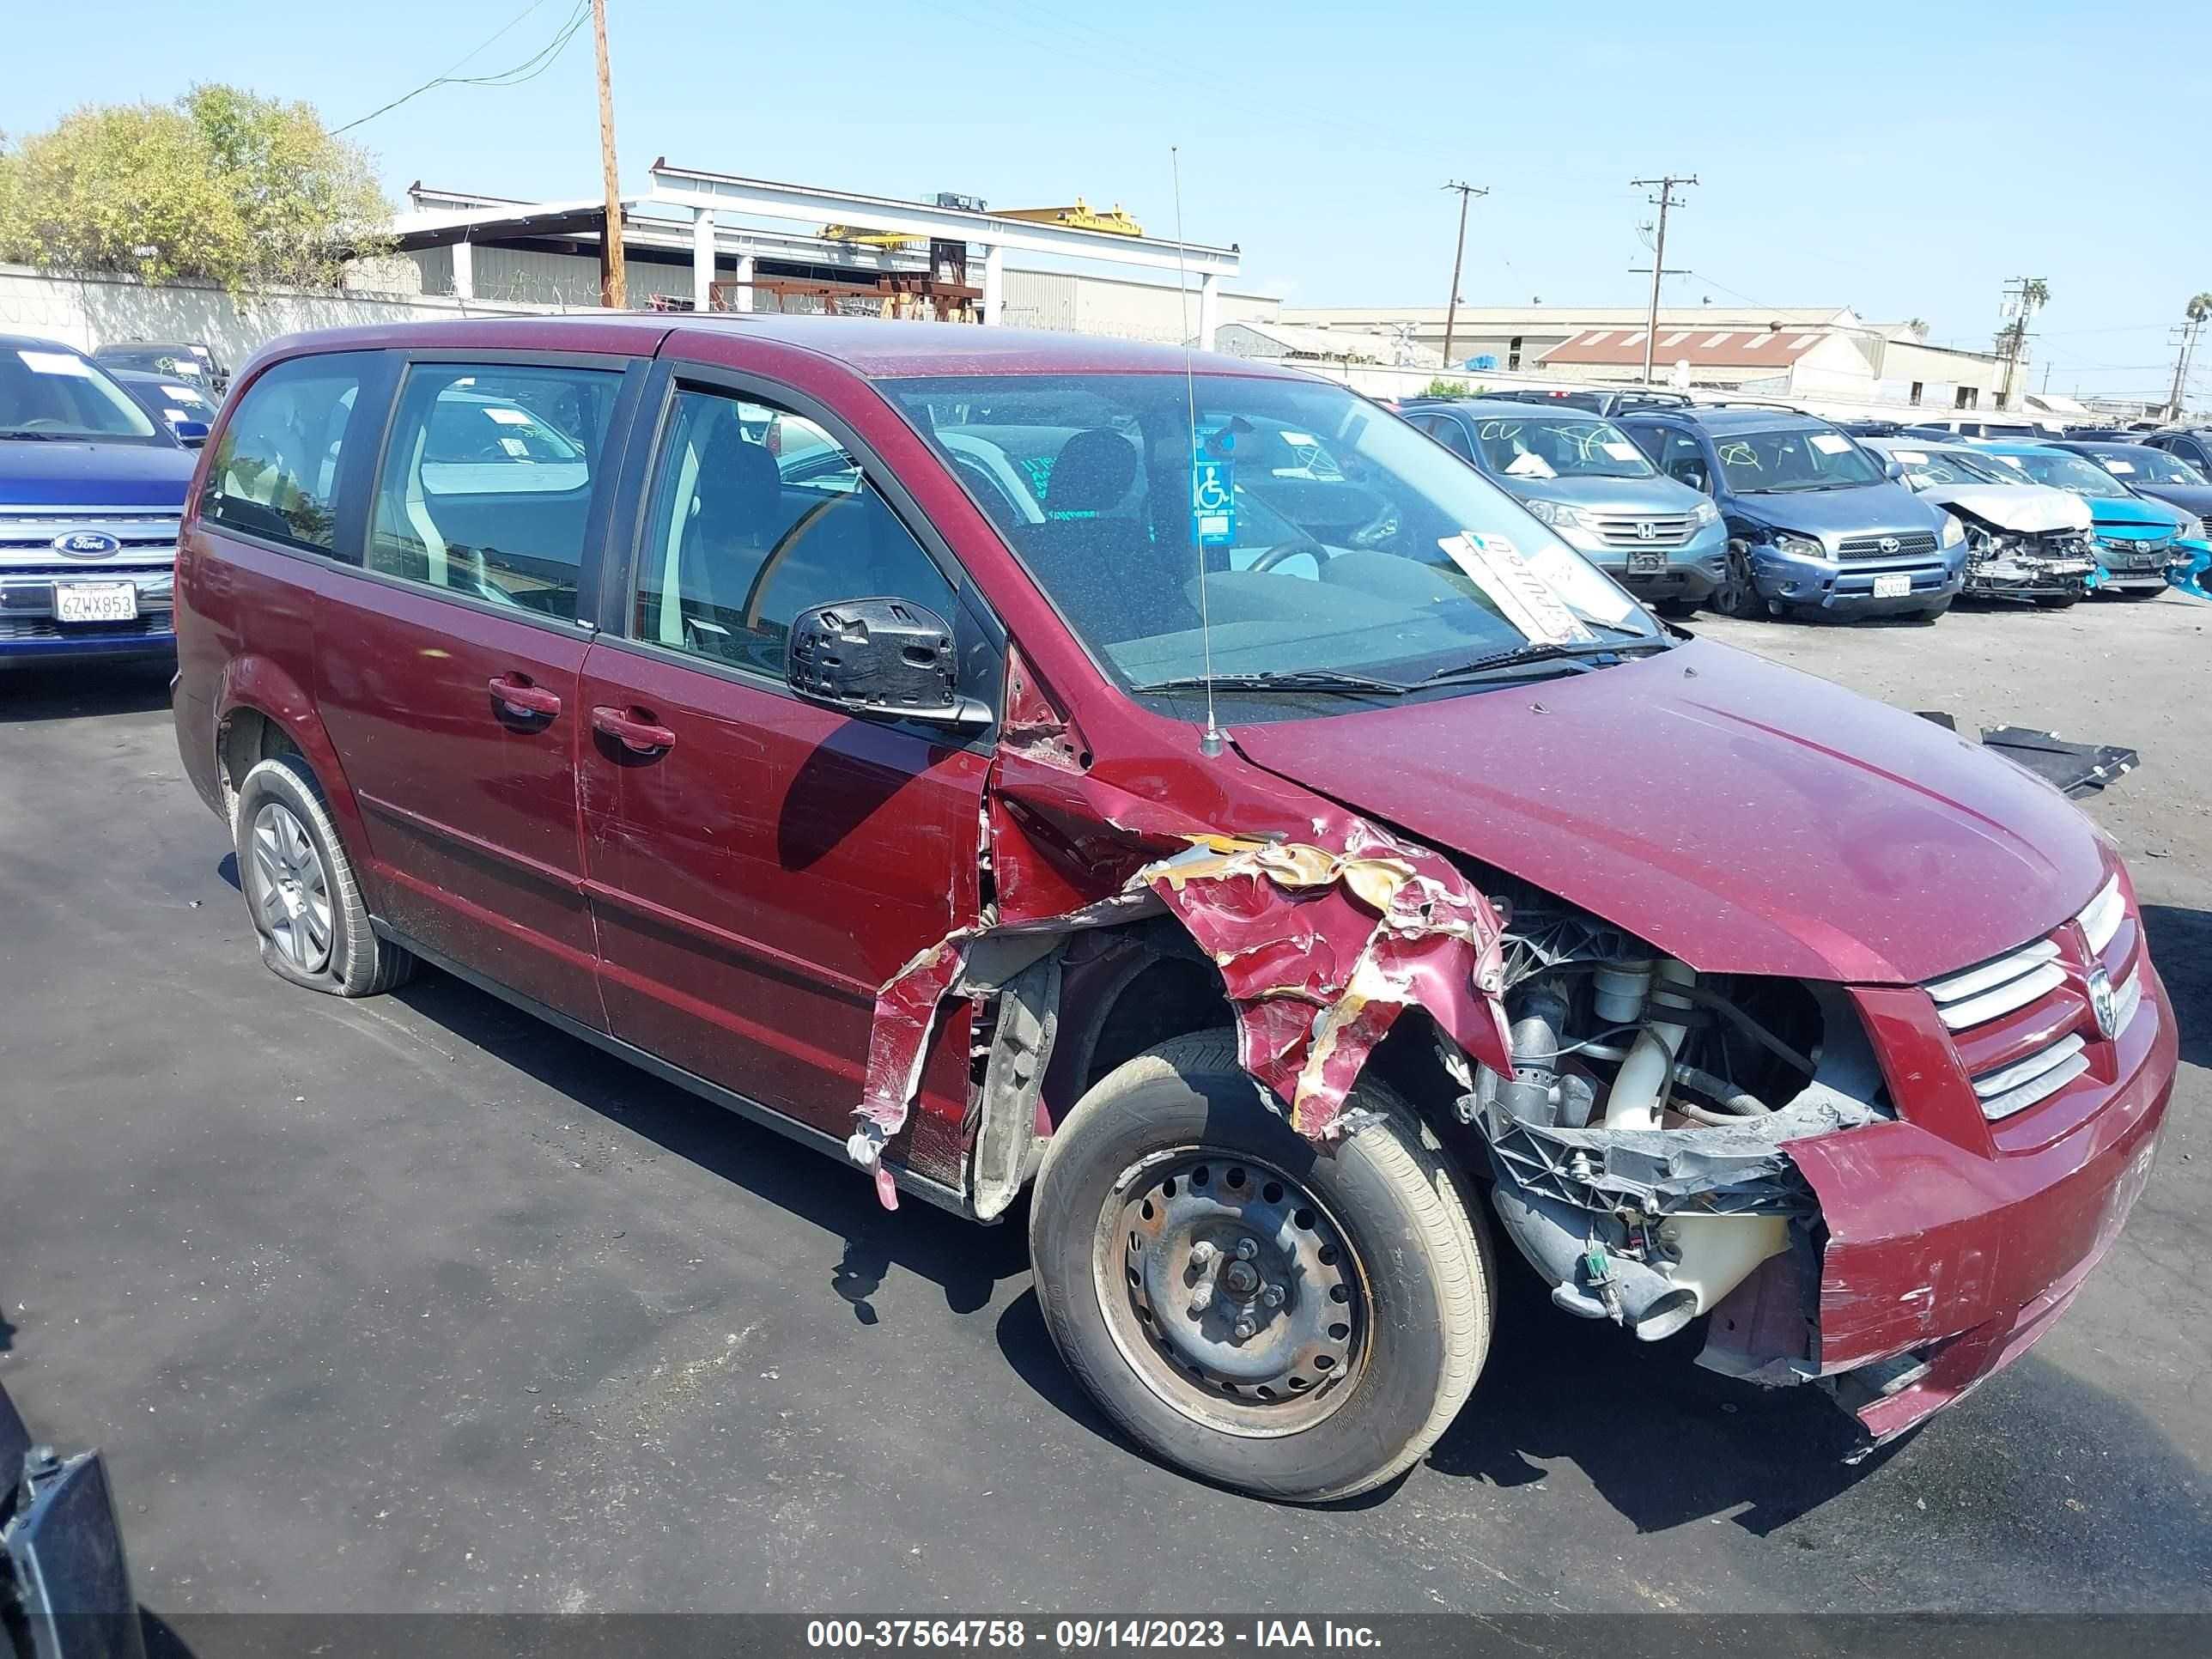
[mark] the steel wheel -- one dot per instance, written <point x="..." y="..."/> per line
<point x="1230" y="1291"/>
<point x="288" y="888"/>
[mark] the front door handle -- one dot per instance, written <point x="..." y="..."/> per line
<point x="633" y="728"/>
<point x="515" y="694"/>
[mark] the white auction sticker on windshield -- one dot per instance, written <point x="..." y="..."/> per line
<point x="2014" y="462"/>
<point x="507" y="416"/>
<point x="2114" y="464"/>
<point x="55" y="362"/>
<point x="1912" y="456"/>
<point x="1830" y="443"/>
<point x="1620" y="452"/>
<point x="1515" y="587"/>
<point x="1302" y="439"/>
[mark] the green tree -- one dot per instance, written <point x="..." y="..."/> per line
<point x="222" y="185"/>
<point x="1441" y="387"/>
<point x="2198" y="308"/>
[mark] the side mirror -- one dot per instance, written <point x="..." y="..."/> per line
<point x="879" y="660"/>
<point x="1892" y="468"/>
<point x="191" y="432"/>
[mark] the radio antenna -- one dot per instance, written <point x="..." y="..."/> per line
<point x="1211" y="739"/>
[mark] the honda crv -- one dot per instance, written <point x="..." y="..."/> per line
<point x="1018" y="775"/>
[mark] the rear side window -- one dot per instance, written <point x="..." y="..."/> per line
<point x="757" y="514"/>
<point x="488" y="478"/>
<point x="274" y="473"/>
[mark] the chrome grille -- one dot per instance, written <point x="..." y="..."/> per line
<point x="1991" y="990"/>
<point x="1666" y="531"/>
<point x="1908" y="542"/>
<point x="144" y="535"/>
<point x="1997" y="987"/>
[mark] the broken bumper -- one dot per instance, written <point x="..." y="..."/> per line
<point x="1955" y="1259"/>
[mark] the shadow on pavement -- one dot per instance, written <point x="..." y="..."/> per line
<point x="965" y="1260"/>
<point x="84" y="690"/>
<point x="2181" y="945"/>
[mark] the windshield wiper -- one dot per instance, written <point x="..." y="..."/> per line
<point x="1536" y="651"/>
<point x="1288" y="679"/>
<point x="25" y="434"/>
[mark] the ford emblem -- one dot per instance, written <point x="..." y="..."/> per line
<point x="87" y="543"/>
<point x="2104" y="1004"/>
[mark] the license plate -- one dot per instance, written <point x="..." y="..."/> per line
<point x="96" y="602"/>
<point x="1647" y="564"/>
<point x="1893" y="587"/>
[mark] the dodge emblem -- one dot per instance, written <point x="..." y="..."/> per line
<point x="2104" y="1004"/>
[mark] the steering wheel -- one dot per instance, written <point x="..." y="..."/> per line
<point x="1302" y="547"/>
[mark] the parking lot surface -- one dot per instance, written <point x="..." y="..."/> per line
<point x="416" y="1304"/>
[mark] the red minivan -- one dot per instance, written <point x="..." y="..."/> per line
<point x="1174" y="786"/>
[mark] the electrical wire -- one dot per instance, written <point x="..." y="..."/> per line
<point x="528" y="69"/>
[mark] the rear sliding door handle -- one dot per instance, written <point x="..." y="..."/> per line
<point x="515" y="694"/>
<point x="633" y="729"/>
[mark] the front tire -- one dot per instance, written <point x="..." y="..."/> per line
<point x="1737" y="594"/>
<point x="300" y="890"/>
<point x="1295" y="1323"/>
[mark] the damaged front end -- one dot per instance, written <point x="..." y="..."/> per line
<point x="2055" y="564"/>
<point x="1638" y="1144"/>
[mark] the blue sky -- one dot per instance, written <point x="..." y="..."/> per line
<point x="1906" y="160"/>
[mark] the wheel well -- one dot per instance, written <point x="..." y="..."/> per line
<point x="1167" y="995"/>
<point x="247" y="735"/>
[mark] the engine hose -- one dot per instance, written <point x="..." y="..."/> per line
<point x="1741" y="1103"/>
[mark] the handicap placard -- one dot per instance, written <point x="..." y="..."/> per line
<point x="1213" y="500"/>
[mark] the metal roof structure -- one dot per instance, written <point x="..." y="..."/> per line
<point x="1701" y="348"/>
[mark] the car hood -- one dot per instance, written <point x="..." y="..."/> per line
<point x="1626" y="496"/>
<point x="46" y="473"/>
<point x="1739" y="815"/>
<point x="2136" y="513"/>
<point x="1885" y="509"/>
<point x="2195" y="499"/>
<point x="2028" y="509"/>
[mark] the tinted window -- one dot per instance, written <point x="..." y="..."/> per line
<point x="757" y="514"/>
<point x="488" y="478"/>
<point x="1452" y="435"/>
<point x="274" y="473"/>
<point x="1678" y="455"/>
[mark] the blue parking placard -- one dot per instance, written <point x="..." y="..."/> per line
<point x="1213" y="500"/>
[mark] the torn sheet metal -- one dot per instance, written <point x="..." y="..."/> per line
<point x="1321" y="943"/>
<point x="2075" y="769"/>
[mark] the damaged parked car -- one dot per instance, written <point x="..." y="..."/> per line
<point x="2024" y="541"/>
<point x="1170" y="785"/>
<point x="2142" y="542"/>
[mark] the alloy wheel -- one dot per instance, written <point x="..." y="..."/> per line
<point x="288" y="887"/>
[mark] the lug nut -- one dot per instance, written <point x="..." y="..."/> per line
<point x="1201" y="1299"/>
<point x="1272" y="1296"/>
<point x="1246" y="1249"/>
<point x="1202" y="1255"/>
<point x="1244" y="1328"/>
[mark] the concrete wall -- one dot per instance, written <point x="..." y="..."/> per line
<point x="1077" y="304"/>
<point x="90" y="311"/>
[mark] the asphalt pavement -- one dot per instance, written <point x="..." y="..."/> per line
<point x="416" y="1304"/>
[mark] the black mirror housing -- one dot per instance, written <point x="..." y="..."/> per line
<point x="879" y="660"/>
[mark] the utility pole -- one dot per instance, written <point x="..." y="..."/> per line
<point x="1662" y="201"/>
<point x="2023" y="295"/>
<point x="2184" y="337"/>
<point x="614" y="280"/>
<point x="1459" y="254"/>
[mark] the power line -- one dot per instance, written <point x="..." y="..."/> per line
<point x="528" y="69"/>
<point x="1459" y="256"/>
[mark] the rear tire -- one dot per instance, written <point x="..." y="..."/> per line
<point x="1372" y="1248"/>
<point x="300" y="890"/>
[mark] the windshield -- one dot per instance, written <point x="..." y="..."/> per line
<point x="1927" y="469"/>
<point x="1546" y="447"/>
<point x="55" y="394"/>
<point x="2067" y="472"/>
<point x="1769" y="463"/>
<point x="1338" y="539"/>
<point x="2141" y="463"/>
